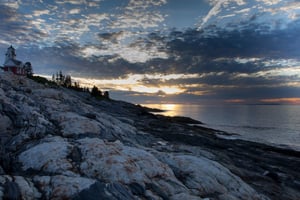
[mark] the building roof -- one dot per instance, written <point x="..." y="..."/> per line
<point x="11" y="47"/>
<point x="13" y="63"/>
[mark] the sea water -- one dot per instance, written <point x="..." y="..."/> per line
<point x="272" y="124"/>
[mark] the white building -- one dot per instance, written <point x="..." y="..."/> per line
<point x="12" y="64"/>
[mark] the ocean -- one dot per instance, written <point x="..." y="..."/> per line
<point x="272" y="124"/>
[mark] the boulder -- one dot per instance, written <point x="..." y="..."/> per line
<point x="50" y="156"/>
<point x="109" y="191"/>
<point x="207" y="178"/>
<point x="62" y="187"/>
<point x="27" y="189"/>
<point x="115" y="162"/>
<point x="74" y="124"/>
<point x="5" y="124"/>
<point x="11" y="190"/>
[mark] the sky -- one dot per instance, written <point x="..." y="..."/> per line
<point x="163" y="51"/>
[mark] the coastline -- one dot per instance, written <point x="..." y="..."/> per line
<point x="271" y="170"/>
<point x="265" y="124"/>
<point x="263" y="166"/>
<point x="67" y="144"/>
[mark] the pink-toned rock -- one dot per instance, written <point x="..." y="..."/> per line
<point x="206" y="178"/>
<point x="62" y="187"/>
<point x="112" y="161"/>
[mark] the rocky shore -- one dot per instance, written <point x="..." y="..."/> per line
<point x="62" y="144"/>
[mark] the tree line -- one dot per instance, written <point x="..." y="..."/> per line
<point x="66" y="81"/>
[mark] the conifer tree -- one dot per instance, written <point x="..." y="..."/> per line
<point x="96" y="92"/>
<point x="28" y="69"/>
<point x="68" y="81"/>
<point x="106" y="94"/>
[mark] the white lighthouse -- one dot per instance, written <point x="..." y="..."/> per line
<point x="11" y="63"/>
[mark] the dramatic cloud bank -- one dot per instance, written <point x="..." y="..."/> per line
<point x="232" y="51"/>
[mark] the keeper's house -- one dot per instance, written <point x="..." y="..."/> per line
<point x="12" y="64"/>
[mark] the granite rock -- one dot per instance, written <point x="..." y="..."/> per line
<point x="62" y="144"/>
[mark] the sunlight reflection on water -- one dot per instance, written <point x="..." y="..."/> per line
<point x="277" y="124"/>
<point x="177" y="109"/>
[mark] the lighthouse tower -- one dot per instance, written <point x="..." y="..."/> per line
<point x="10" y="54"/>
<point x="11" y="63"/>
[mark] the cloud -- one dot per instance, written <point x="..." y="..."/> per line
<point x="246" y="49"/>
<point x="269" y="2"/>
<point x="139" y="14"/>
<point x="282" y="100"/>
<point x="74" y="2"/>
<point x="127" y="45"/>
<point x="12" y="4"/>
<point x="223" y="66"/>
<point x="13" y="22"/>
<point x="75" y="11"/>
<point x="68" y="57"/>
<point x="94" y="19"/>
<point x="114" y="37"/>
<point x="132" y="83"/>
<point x="231" y="63"/>
<point x="37" y="13"/>
<point x="142" y="20"/>
<point x="246" y="43"/>
<point x="291" y="9"/>
<point x="133" y="54"/>
<point x="218" y="7"/>
<point x="44" y="23"/>
<point x="140" y="4"/>
<point x="233" y="14"/>
<point x="76" y="22"/>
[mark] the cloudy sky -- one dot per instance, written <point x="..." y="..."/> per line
<point x="169" y="51"/>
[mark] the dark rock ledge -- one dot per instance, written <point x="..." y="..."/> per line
<point x="61" y="144"/>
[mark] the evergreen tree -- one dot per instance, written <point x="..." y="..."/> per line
<point x="106" y="94"/>
<point x="61" y="78"/>
<point x="57" y="77"/>
<point x="96" y="92"/>
<point x="76" y="85"/>
<point x="68" y="81"/>
<point x="28" y="69"/>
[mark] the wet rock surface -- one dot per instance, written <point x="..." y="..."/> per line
<point x="61" y="144"/>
